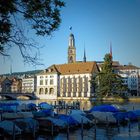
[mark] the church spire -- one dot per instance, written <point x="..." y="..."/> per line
<point x="111" y="49"/>
<point x="84" y="58"/>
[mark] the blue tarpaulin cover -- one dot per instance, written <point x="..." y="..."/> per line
<point x="45" y="105"/>
<point x="104" y="108"/>
<point x="121" y="116"/>
<point x="68" y="119"/>
<point x="9" y="107"/>
<point x="137" y="113"/>
<point x="31" y="106"/>
<point x="131" y="116"/>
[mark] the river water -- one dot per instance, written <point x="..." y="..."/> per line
<point x="102" y="132"/>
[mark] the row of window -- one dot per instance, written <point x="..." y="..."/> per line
<point x="51" y="82"/>
<point x="46" y="91"/>
<point x="42" y="77"/>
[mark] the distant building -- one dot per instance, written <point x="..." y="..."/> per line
<point x="130" y="75"/>
<point x="10" y="85"/>
<point x="16" y="86"/>
<point x="5" y="85"/>
<point x="29" y="84"/>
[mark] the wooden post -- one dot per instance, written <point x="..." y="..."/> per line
<point x="82" y="132"/>
<point x="118" y="125"/>
<point x="133" y="108"/>
<point x="13" y="134"/>
<point x="66" y="109"/>
<point x="139" y="124"/>
<point x="1" y="117"/>
<point x="129" y="125"/>
<point x="68" y="131"/>
<point x="95" y="129"/>
<point x="57" y="110"/>
<point x="95" y="124"/>
<point x="52" y="130"/>
<point x="34" y="127"/>
<point x="107" y="122"/>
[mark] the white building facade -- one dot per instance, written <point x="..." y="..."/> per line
<point x="66" y="81"/>
<point x="29" y="84"/>
<point x="130" y="75"/>
<point x="48" y="84"/>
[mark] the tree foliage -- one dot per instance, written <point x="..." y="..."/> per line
<point x="106" y="81"/>
<point x="43" y="16"/>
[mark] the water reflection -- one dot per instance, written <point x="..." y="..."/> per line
<point x="101" y="132"/>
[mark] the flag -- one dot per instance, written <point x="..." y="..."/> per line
<point x="70" y="27"/>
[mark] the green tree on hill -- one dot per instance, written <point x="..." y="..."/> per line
<point x="106" y="82"/>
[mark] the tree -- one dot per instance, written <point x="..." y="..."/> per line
<point x="106" y="81"/>
<point x="43" y="16"/>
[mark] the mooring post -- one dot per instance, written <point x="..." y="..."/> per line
<point x="68" y="131"/>
<point x="66" y="109"/>
<point x="95" y="125"/>
<point x="2" y="135"/>
<point x="1" y="117"/>
<point x="57" y="110"/>
<point x="118" y="124"/>
<point x="139" y="123"/>
<point x="133" y="108"/>
<point x="82" y="135"/>
<point x="52" y="130"/>
<point x="129" y="125"/>
<point x="95" y="129"/>
<point x="34" y="127"/>
<point x="107" y="122"/>
<point x="13" y="135"/>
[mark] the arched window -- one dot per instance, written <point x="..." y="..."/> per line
<point x="41" y="91"/>
<point x="46" y="90"/>
<point x="51" y="91"/>
<point x="71" y="59"/>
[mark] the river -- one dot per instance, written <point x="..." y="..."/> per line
<point x="102" y="132"/>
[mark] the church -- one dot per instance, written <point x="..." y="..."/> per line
<point x="67" y="81"/>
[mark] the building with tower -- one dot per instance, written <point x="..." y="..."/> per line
<point x="67" y="81"/>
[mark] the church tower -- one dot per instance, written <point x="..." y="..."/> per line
<point x="71" y="49"/>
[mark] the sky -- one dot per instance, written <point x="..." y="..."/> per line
<point x="95" y="24"/>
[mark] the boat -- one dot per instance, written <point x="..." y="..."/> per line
<point x="46" y="124"/>
<point x="104" y="117"/>
<point x="72" y="123"/>
<point x="9" y="107"/>
<point x="10" y="128"/>
<point x="16" y="115"/>
<point x="82" y="120"/>
<point x="27" y="125"/>
<point x="104" y="108"/>
<point x="44" y="105"/>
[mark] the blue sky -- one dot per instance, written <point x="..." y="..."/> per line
<point x="95" y="23"/>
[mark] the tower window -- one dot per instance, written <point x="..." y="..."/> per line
<point x="71" y="59"/>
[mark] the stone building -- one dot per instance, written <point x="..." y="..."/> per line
<point x="67" y="81"/>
